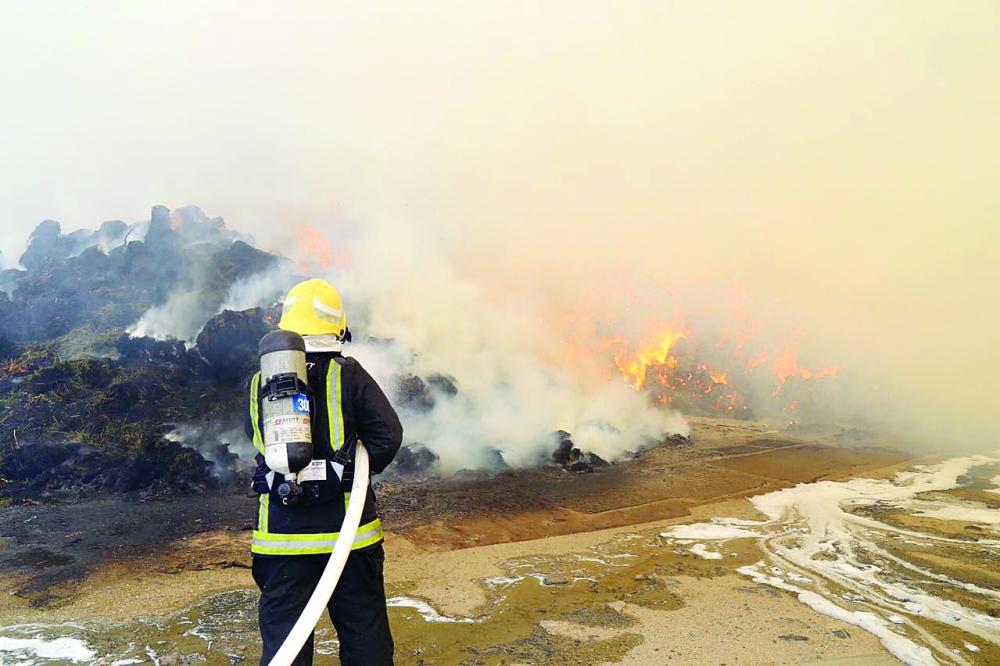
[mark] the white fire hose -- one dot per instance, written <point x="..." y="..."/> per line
<point x="331" y="574"/>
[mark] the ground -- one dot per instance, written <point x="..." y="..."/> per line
<point x="458" y="545"/>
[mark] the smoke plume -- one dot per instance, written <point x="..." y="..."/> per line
<point x="547" y="158"/>
<point x="511" y="393"/>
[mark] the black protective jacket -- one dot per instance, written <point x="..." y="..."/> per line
<point x="365" y="412"/>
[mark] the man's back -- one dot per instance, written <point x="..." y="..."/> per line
<point x="292" y="542"/>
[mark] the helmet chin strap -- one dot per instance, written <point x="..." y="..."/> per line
<point x="323" y="343"/>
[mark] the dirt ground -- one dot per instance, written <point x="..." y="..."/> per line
<point x="119" y="560"/>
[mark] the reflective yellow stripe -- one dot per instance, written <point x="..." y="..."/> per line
<point x="258" y="439"/>
<point x="334" y="408"/>
<point x="263" y="509"/>
<point x="266" y="543"/>
<point x="270" y="543"/>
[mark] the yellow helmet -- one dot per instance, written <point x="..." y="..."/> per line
<point x="314" y="307"/>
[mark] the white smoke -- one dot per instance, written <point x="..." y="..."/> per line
<point x="184" y="313"/>
<point x="512" y="390"/>
<point x="106" y="238"/>
<point x="214" y="444"/>
<point x="189" y="306"/>
<point x="257" y="290"/>
<point x="180" y="317"/>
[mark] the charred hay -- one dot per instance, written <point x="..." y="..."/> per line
<point x="570" y="458"/>
<point x="88" y="402"/>
<point x="84" y="404"/>
<point x="228" y="342"/>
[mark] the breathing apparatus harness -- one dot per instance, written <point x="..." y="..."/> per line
<point x="294" y="492"/>
<point x="287" y="402"/>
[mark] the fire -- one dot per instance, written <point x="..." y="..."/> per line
<point x="175" y="222"/>
<point x="717" y="377"/>
<point x="696" y="363"/>
<point x="611" y="342"/>
<point x="315" y="247"/>
<point x="634" y="367"/>
<point x="319" y="252"/>
<point x="787" y="365"/>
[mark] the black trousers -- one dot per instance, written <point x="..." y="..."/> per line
<point x="357" y="608"/>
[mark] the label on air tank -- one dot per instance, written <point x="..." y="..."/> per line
<point x="314" y="471"/>
<point x="288" y="428"/>
<point x="300" y="403"/>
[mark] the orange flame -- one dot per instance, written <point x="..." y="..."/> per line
<point x="635" y="366"/>
<point x="315" y="247"/>
<point x="828" y="371"/>
<point x="787" y="365"/>
<point x="717" y="377"/>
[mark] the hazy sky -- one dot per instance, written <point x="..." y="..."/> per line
<point x="842" y="158"/>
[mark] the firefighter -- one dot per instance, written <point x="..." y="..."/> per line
<point x="292" y="543"/>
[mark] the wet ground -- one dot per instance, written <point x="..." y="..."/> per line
<point x="542" y="610"/>
<point x="117" y="571"/>
<point x="52" y="547"/>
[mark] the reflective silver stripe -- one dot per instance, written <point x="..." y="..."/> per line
<point x="370" y="534"/>
<point x="326" y="313"/>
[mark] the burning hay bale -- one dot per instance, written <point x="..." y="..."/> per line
<point x="109" y="339"/>
<point x="83" y="402"/>
<point x="415" y="459"/>
<point x="229" y="341"/>
<point x="573" y="459"/>
<point x="443" y="384"/>
<point x="413" y="392"/>
<point x="149" y="351"/>
<point x="37" y="468"/>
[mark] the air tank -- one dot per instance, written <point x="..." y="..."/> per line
<point x="286" y="421"/>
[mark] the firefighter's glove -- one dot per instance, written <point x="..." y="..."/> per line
<point x="263" y="476"/>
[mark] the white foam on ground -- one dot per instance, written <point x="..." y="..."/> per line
<point x="739" y="521"/>
<point x="812" y="538"/>
<point x="713" y="531"/>
<point x="701" y="551"/>
<point x="327" y="647"/>
<point x="967" y="512"/>
<point x="72" y="649"/>
<point x="502" y="581"/>
<point x="900" y="647"/>
<point x="425" y="609"/>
